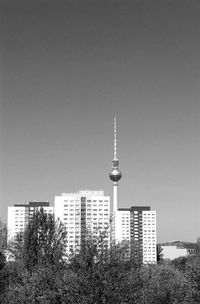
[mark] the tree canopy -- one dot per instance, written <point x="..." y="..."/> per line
<point x="43" y="242"/>
<point x="97" y="274"/>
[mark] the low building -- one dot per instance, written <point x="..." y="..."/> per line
<point x="175" y="249"/>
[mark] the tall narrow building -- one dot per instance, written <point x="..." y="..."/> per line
<point x="115" y="175"/>
<point x="137" y="227"/>
<point x="143" y="234"/>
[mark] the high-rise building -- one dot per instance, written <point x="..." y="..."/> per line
<point x="85" y="210"/>
<point x="143" y="234"/>
<point x="122" y="217"/>
<point x="20" y="214"/>
<point x="136" y="226"/>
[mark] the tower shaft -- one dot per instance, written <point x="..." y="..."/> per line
<point x="115" y="186"/>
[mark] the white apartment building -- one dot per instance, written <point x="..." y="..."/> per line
<point x="80" y="211"/>
<point x="149" y="237"/>
<point x="136" y="226"/>
<point x="20" y="214"/>
<point x="122" y="225"/>
<point x="143" y="234"/>
<point x="17" y="221"/>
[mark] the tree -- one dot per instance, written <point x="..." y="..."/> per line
<point x="44" y="285"/>
<point x="36" y="274"/>
<point x="180" y="263"/>
<point x="162" y="284"/>
<point x="96" y="274"/>
<point x="159" y="251"/>
<point x="2" y="273"/>
<point x="2" y="260"/>
<point x="192" y="274"/>
<point x="3" y="235"/>
<point x="198" y="245"/>
<point x="43" y="242"/>
<point x="99" y="274"/>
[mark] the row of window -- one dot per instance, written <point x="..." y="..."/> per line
<point x="91" y="203"/>
<point x="78" y="211"/>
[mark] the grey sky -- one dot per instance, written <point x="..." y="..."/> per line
<point x="67" y="67"/>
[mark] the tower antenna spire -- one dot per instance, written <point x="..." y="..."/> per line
<point x="115" y="138"/>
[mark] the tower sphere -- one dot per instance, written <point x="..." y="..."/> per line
<point x="115" y="174"/>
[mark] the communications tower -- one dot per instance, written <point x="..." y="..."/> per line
<point x="115" y="174"/>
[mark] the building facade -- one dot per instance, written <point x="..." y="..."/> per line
<point x="149" y="239"/>
<point x="136" y="226"/>
<point x="143" y="234"/>
<point x="20" y="214"/>
<point x="123" y="225"/>
<point x="81" y="212"/>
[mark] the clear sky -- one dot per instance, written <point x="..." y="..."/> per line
<point x="66" y="68"/>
